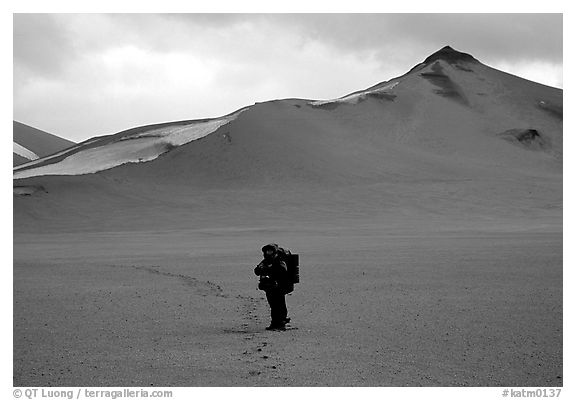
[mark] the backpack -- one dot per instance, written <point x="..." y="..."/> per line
<point x="292" y="262"/>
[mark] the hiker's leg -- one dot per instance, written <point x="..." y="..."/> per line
<point x="282" y="310"/>
<point x="270" y="298"/>
<point x="276" y="301"/>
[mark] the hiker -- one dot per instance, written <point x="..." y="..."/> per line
<point x="274" y="280"/>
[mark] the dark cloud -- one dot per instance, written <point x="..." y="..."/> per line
<point x="493" y="36"/>
<point x="391" y="39"/>
<point x="221" y="20"/>
<point x="42" y="45"/>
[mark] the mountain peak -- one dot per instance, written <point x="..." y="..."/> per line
<point x="450" y="55"/>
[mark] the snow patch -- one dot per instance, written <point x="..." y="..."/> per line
<point x="24" y="152"/>
<point x="142" y="147"/>
<point x="44" y="159"/>
<point x="356" y="97"/>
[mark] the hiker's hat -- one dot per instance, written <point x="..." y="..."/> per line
<point x="271" y="246"/>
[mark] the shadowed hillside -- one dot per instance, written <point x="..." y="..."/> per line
<point x="35" y="143"/>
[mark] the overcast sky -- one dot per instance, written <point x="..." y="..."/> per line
<point x="83" y="75"/>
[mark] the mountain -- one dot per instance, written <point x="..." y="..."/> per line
<point x="452" y="141"/>
<point x="31" y="143"/>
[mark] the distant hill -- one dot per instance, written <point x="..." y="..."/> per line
<point x="452" y="141"/>
<point x="31" y="143"/>
<point x="450" y="108"/>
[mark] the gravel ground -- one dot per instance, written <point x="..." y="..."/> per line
<point x="181" y="308"/>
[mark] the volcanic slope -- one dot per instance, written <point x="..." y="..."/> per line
<point x="31" y="143"/>
<point x="452" y="141"/>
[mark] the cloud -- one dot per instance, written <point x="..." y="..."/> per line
<point x="42" y="46"/>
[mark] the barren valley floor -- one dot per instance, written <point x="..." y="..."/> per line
<point x="374" y="308"/>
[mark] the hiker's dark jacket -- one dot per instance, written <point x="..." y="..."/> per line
<point x="277" y="272"/>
